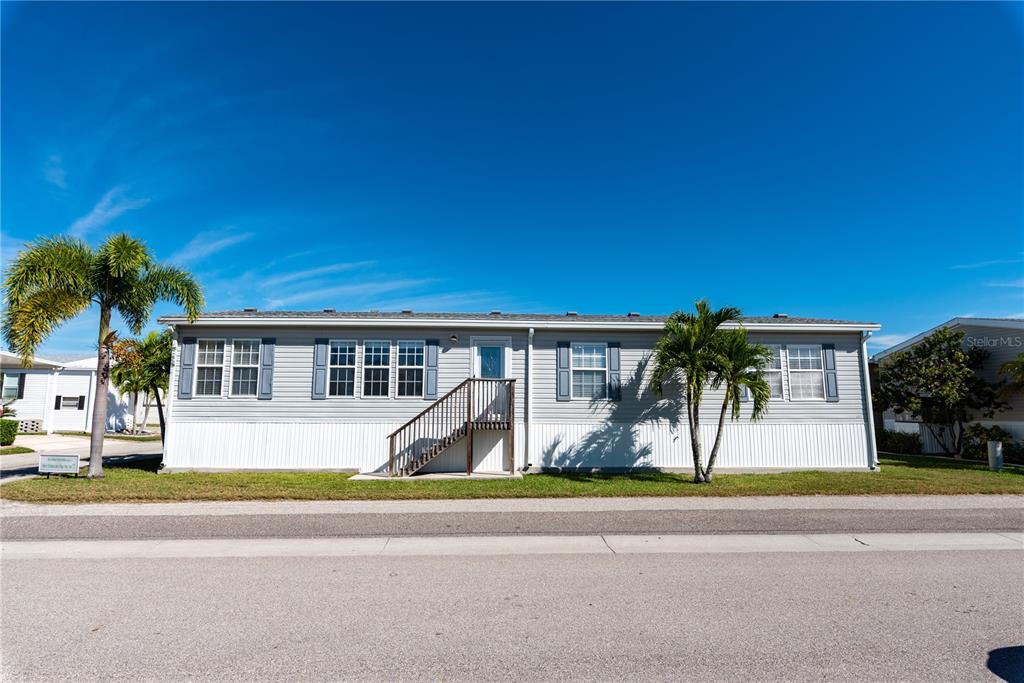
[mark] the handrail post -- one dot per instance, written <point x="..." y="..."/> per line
<point x="391" y="456"/>
<point x="469" y="429"/>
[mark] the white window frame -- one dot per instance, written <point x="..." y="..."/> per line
<point x="365" y="367"/>
<point x="573" y="369"/>
<point x="73" y="406"/>
<point x="231" y="373"/>
<point x="783" y="363"/>
<point x="195" y="369"/>
<point x="356" y="375"/>
<point x="7" y="378"/>
<point x="820" y="371"/>
<point x="399" y="367"/>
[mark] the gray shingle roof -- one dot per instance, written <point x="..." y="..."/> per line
<point x="511" y="317"/>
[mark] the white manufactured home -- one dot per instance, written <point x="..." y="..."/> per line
<point x="420" y="392"/>
<point x="57" y="396"/>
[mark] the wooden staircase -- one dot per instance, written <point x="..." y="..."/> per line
<point x="475" y="404"/>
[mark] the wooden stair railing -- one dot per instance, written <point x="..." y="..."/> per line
<point x="473" y="404"/>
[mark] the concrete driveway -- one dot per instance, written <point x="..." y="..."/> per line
<point x="19" y="466"/>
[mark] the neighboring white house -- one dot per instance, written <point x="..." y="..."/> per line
<point x="56" y="396"/>
<point x="494" y="392"/>
<point x="1003" y="338"/>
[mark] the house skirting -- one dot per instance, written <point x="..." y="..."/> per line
<point x="607" y="445"/>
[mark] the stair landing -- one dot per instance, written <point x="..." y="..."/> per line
<point x="383" y="476"/>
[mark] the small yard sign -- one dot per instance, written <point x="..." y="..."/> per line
<point x="58" y="464"/>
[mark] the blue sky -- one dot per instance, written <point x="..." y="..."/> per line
<point x="852" y="161"/>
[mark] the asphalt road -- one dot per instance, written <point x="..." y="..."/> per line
<point x="932" y="616"/>
<point x="675" y="521"/>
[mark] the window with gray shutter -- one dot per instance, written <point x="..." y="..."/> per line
<point x="186" y="367"/>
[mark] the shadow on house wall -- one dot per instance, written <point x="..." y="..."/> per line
<point x="614" y="443"/>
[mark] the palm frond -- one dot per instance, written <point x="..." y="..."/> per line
<point x="50" y="263"/>
<point x="169" y="283"/>
<point x="37" y="316"/>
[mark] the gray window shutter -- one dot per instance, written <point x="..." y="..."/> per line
<point x="430" y="369"/>
<point x="56" y="404"/>
<point x="81" y="402"/>
<point x="266" y="388"/>
<point x="831" y="380"/>
<point x="614" y="371"/>
<point x="187" y="367"/>
<point x="564" y="375"/>
<point x="21" y="385"/>
<point x="320" y="369"/>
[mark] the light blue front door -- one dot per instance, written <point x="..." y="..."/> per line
<point x="492" y="361"/>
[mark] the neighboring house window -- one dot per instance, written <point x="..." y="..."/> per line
<point x="410" y="368"/>
<point x="343" y="369"/>
<point x="209" y="367"/>
<point x="10" y="390"/>
<point x="69" y="402"/>
<point x="806" y="377"/>
<point x="589" y="371"/>
<point x="245" y="367"/>
<point x="773" y="375"/>
<point x="376" y="368"/>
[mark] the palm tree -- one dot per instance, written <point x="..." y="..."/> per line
<point x="739" y="367"/>
<point x="1015" y="369"/>
<point x="126" y="375"/>
<point x="58" y="278"/>
<point x="688" y="346"/>
<point x="147" y="362"/>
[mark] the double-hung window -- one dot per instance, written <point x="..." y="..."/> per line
<point x="410" y="369"/>
<point x="10" y="387"/>
<point x="376" y="368"/>
<point x="245" y="367"/>
<point x="589" y="366"/>
<point x="343" y="369"/>
<point x="806" y="374"/>
<point x="209" y="367"/>
<point x="773" y="373"/>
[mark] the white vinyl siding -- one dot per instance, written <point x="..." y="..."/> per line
<point x="342" y="364"/>
<point x="376" y="369"/>
<point x="209" y="367"/>
<point x="245" y="367"/>
<point x="589" y="366"/>
<point x="806" y="372"/>
<point x="410" y="369"/>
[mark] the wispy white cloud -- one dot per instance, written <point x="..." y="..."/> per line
<point x="1016" y="284"/>
<point x="207" y="243"/>
<point x="884" y="341"/>
<point x="986" y="264"/>
<point x="54" y="172"/>
<point x="278" y="280"/>
<point x="353" y="295"/>
<point x="110" y="206"/>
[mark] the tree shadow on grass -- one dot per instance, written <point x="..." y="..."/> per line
<point x="936" y="462"/>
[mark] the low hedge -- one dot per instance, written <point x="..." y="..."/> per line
<point x="8" y="430"/>
<point x="899" y="442"/>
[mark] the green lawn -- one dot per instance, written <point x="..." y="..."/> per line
<point x="14" y="450"/>
<point x="899" y="475"/>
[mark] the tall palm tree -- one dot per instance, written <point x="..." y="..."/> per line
<point x="688" y="347"/>
<point x="739" y="367"/>
<point x="58" y="278"/>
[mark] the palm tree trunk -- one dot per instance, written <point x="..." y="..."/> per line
<point x="718" y="437"/>
<point x="159" y="412"/>
<point x="99" y="404"/>
<point x="693" y="417"/>
<point x="145" y="411"/>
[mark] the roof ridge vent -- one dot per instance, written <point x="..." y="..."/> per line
<point x="248" y="310"/>
<point x="780" y="315"/>
<point x="328" y="310"/>
<point x="571" y="314"/>
<point x="495" y="312"/>
<point x="406" y="311"/>
<point x="632" y="314"/>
